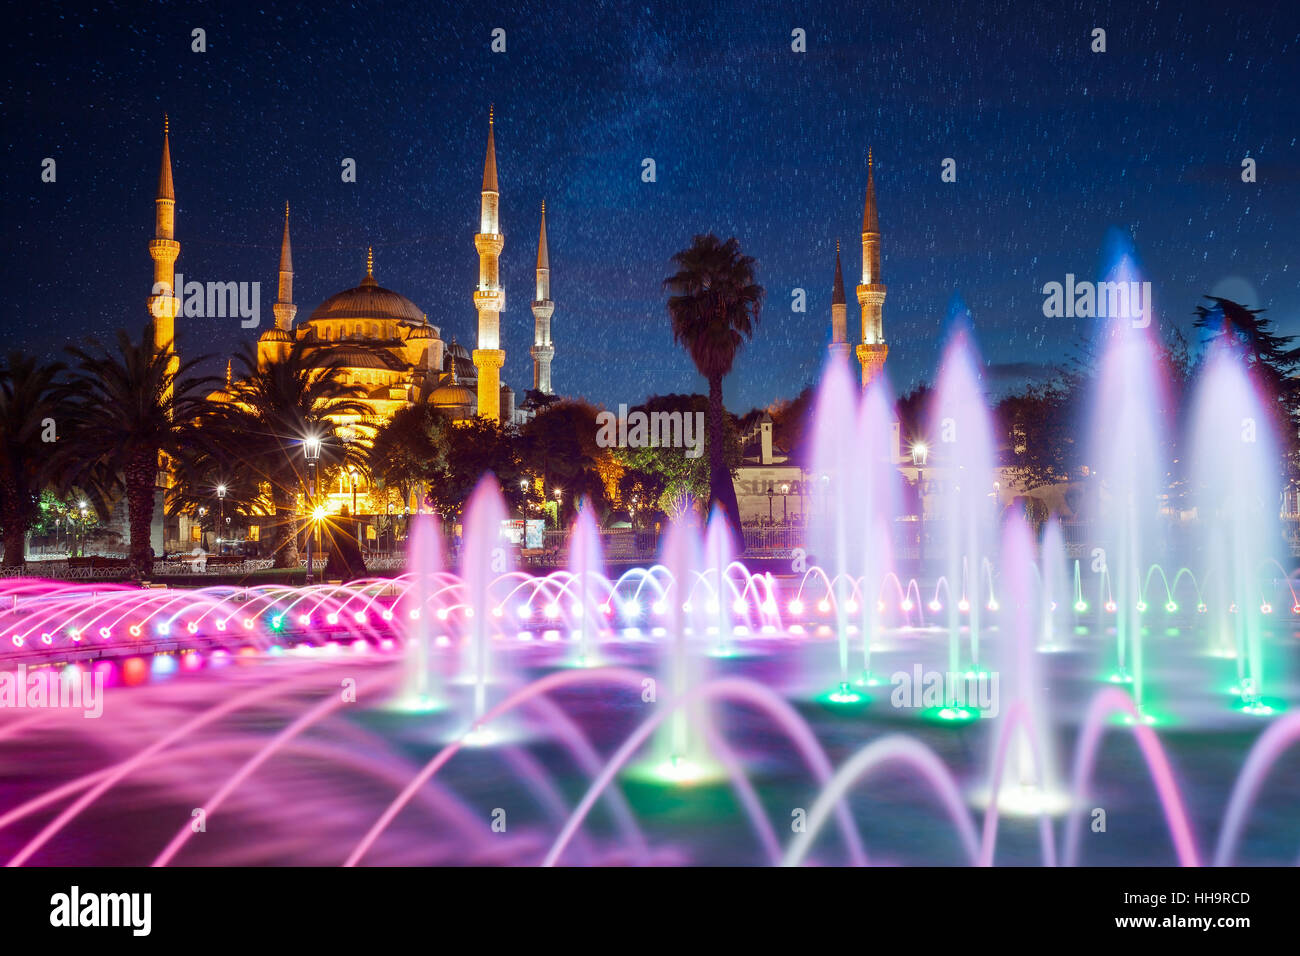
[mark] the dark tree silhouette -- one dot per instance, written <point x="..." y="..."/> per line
<point x="714" y="304"/>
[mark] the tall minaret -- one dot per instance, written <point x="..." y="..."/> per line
<point x="489" y="297"/>
<point x="543" y="351"/>
<point x="275" y="343"/>
<point x="871" y="293"/>
<point x="163" y="247"/>
<point x="839" y="314"/>
<point x="284" y="308"/>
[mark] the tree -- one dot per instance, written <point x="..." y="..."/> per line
<point x="559" y="446"/>
<point x="791" y="424"/>
<point x="410" y="449"/>
<point x="683" y="481"/>
<point x="640" y="493"/>
<point x="32" y="408"/>
<point x="132" y="410"/>
<point x="1272" y="360"/>
<point x="714" y="303"/>
<point x="1046" y="434"/>
<point x="478" y="446"/>
<point x="260" y="425"/>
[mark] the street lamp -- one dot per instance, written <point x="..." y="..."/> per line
<point x="311" y="452"/>
<point x="221" y="513"/>
<point x="785" y="505"/>
<point x="920" y="455"/>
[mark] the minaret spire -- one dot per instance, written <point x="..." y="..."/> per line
<point x="164" y="249"/>
<point x="489" y="296"/>
<point x="543" y="350"/>
<point x="871" y="293"/>
<point x="839" y="312"/>
<point x="490" y="163"/>
<point x="284" y="308"/>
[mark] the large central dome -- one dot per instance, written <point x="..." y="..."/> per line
<point x="371" y="301"/>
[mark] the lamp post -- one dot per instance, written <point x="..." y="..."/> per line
<point x="920" y="455"/>
<point x="785" y="504"/>
<point x="771" y="493"/>
<point x="83" y="529"/>
<point x="203" y="535"/>
<point x="221" y="513"/>
<point x="559" y="504"/>
<point x="310" y="452"/>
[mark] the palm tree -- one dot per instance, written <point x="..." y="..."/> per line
<point x="132" y="410"/>
<point x="32" y="409"/>
<point x="274" y="405"/>
<point x="714" y="304"/>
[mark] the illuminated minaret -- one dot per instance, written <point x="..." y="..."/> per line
<point x="543" y="351"/>
<point x="489" y="296"/>
<point x="284" y="308"/>
<point x="871" y="293"/>
<point x="839" y="314"/>
<point x="163" y="248"/>
<point x="276" y="342"/>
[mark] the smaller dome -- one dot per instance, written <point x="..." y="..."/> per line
<point x="275" y="334"/>
<point x="452" y="396"/>
<point x="421" y="332"/>
<point x="344" y="357"/>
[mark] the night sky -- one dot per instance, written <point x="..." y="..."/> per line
<point x="1054" y="145"/>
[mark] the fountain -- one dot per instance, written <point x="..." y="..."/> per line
<point x="663" y="715"/>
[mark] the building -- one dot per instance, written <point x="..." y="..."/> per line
<point x="871" y="350"/>
<point x="770" y="489"/>
<point x="387" y="346"/>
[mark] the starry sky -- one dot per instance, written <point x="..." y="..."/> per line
<point x="1055" y="146"/>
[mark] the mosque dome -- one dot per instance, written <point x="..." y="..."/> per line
<point x="369" y="301"/>
<point x="452" y="395"/>
<point x="346" y="357"/>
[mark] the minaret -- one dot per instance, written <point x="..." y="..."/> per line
<point x="274" y="344"/>
<point x="163" y="248"/>
<point x="284" y="308"/>
<point x="839" y="314"/>
<point x="489" y="297"/>
<point x="543" y="351"/>
<point x="871" y="293"/>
